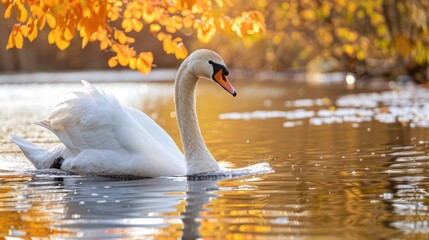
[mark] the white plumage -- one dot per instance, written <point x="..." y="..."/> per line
<point x="99" y="136"/>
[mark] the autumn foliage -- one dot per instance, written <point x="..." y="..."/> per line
<point x="110" y="23"/>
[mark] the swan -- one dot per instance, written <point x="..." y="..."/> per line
<point x="99" y="136"/>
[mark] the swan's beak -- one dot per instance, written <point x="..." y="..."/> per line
<point x="223" y="81"/>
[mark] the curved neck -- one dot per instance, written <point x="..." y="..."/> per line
<point x="197" y="156"/>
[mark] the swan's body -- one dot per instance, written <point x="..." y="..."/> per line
<point x="99" y="136"/>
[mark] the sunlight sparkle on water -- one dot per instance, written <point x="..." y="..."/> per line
<point x="408" y="105"/>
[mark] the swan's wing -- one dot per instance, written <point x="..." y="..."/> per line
<point x="93" y="119"/>
<point x="157" y="132"/>
<point x="84" y="121"/>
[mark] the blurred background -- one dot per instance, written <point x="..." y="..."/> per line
<point x="369" y="38"/>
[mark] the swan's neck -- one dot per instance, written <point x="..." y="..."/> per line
<point x="198" y="158"/>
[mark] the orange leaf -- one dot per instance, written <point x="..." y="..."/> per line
<point x="187" y="21"/>
<point x="51" y="20"/>
<point x="161" y="36"/>
<point x="115" y="48"/>
<point x="32" y="34"/>
<point x="154" y="28"/>
<point x="177" y="22"/>
<point x="24" y="30"/>
<point x="103" y="45"/>
<point x="123" y="60"/>
<point x="133" y="63"/>
<point x="149" y="14"/>
<point x="137" y="25"/>
<point x="84" y="42"/>
<point x="122" y="38"/>
<point x="8" y="11"/>
<point x="206" y="32"/>
<point x="11" y="41"/>
<point x="130" y="40"/>
<point x="181" y="52"/>
<point x="68" y="34"/>
<point x="113" y="16"/>
<point x="127" y="25"/>
<point x="19" y="40"/>
<point x="61" y="42"/>
<point x="22" y="14"/>
<point x="113" y="62"/>
<point x="144" y="62"/>
<point x="41" y="22"/>
<point x="170" y="29"/>
<point x="51" y="36"/>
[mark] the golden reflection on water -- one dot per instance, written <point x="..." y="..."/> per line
<point x="334" y="181"/>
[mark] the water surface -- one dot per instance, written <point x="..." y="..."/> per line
<point x="349" y="164"/>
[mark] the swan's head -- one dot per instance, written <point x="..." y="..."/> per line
<point x="207" y="64"/>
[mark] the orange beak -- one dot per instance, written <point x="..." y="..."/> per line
<point x="223" y="81"/>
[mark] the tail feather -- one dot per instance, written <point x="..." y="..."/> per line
<point x="37" y="155"/>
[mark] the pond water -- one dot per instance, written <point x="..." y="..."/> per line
<point x="349" y="164"/>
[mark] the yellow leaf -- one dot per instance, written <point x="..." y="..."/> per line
<point x="149" y="14"/>
<point x="137" y="25"/>
<point x="22" y="14"/>
<point x="8" y="11"/>
<point x="161" y="36"/>
<point x="112" y="62"/>
<point x="130" y="40"/>
<point x="127" y="25"/>
<point x="167" y="45"/>
<point x="61" y="43"/>
<point x="32" y="34"/>
<point x="68" y="34"/>
<point x="206" y="33"/>
<point x="123" y="60"/>
<point x="102" y="34"/>
<point x="113" y="16"/>
<point x="178" y="40"/>
<point x="122" y="38"/>
<point x="144" y="62"/>
<point x="24" y="30"/>
<point x="115" y="48"/>
<point x="51" y="36"/>
<point x="84" y="42"/>
<point x="187" y="21"/>
<point x="51" y="20"/>
<point x="177" y="22"/>
<point x="103" y="45"/>
<point x="127" y="13"/>
<point x="133" y="63"/>
<point x="170" y="29"/>
<point x="19" y="40"/>
<point x="11" y="41"/>
<point x="41" y="22"/>
<point x="137" y="14"/>
<point x="154" y="28"/>
<point x="181" y="52"/>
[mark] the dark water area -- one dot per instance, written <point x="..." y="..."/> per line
<point x="349" y="164"/>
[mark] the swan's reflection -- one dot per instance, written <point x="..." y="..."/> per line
<point x="146" y="207"/>
<point x="94" y="207"/>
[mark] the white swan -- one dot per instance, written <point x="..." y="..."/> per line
<point x="101" y="137"/>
